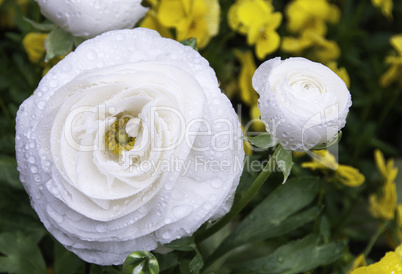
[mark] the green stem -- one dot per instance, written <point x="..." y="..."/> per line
<point x="244" y="200"/>
<point x="374" y="238"/>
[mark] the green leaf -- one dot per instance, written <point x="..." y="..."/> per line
<point x="66" y="262"/>
<point x="295" y="257"/>
<point x="331" y="142"/>
<point x="22" y="255"/>
<point x="182" y="244"/>
<point x="141" y="262"/>
<point x="262" y="141"/>
<point x="271" y="218"/>
<point x="58" y="43"/>
<point x="284" y="162"/>
<point x="188" y="244"/>
<point x="12" y="220"/>
<point x="8" y="170"/>
<point x="191" y="42"/>
<point x="40" y="26"/>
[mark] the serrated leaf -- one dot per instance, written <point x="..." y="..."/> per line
<point x="272" y="217"/>
<point x="262" y="141"/>
<point x="58" y="43"/>
<point x="284" y="162"/>
<point x="331" y="142"/>
<point x="191" y="42"/>
<point x="22" y="255"/>
<point x="295" y="257"/>
<point x="40" y="26"/>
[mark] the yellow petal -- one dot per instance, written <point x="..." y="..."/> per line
<point x="390" y="263"/>
<point x="34" y="45"/>
<point x="268" y="41"/>
<point x="380" y="162"/>
<point x="349" y="176"/>
<point x="295" y="45"/>
<point x="255" y="114"/>
<point x="212" y="16"/>
<point x="386" y="7"/>
<point x="396" y="42"/>
<point x="171" y="12"/>
<point x="247" y="93"/>
<point x="384" y="204"/>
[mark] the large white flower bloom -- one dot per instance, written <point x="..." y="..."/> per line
<point x="88" y="18"/>
<point x="302" y="103"/>
<point x="127" y="144"/>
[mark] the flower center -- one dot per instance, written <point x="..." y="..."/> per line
<point x="116" y="137"/>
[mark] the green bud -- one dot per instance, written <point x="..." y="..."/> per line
<point x="141" y="262"/>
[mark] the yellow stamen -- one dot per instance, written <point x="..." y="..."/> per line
<point x="116" y="137"/>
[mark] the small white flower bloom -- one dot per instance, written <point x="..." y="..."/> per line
<point x="302" y="103"/>
<point x="88" y="18"/>
<point x="127" y="144"/>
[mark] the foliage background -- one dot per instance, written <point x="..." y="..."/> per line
<point x="374" y="122"/>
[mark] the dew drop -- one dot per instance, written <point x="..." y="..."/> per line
<point x="34" y="169"/>
<point x="280" y="259"/>
<point x="181" y="211"/>
<point x="31" y="159"/>
<point x="53" y="83"/>
<point x="166" y="234"/>
<point x="101" y="228"/>
<point x="41" y="105"/>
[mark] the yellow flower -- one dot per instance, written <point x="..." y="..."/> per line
<point x="321" y="49"/>
<point x="384" y="204"/>
<point x="303" y="14"/>
<point x="387" y="170"/>
<point x="390" y="263"/>
<point x="346" y="175"/>
<point x="341" y="72"/>
<point x="191" y="18"/>
<point x="247" y="93"/>
<point x="394" y="72"/>
<point x="349" y="176"/>
<point x="257" y="20"/>
<point x="34" y="45"/>
<point x="385" y="6"/>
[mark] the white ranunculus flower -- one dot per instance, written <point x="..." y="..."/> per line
<point x="302" y="103"/>
<point x="88" y="18"/>
<point x="127" y="144"/>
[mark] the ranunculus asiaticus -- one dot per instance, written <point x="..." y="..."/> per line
<point x="127" y="144"/>
<point x="88" y="18"/>
<point x="302" y="103"/>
